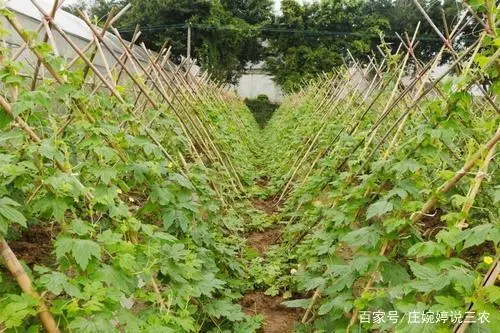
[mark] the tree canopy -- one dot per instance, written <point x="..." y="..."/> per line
<point x="312" y="38"/>
<point x="303" y="40"/>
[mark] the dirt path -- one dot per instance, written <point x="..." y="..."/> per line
<point x="260" y="241"/>
<point x="277" y="317"/>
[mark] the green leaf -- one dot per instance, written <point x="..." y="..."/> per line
<point x="30" y="100"/>
<point x="50" y="151"/>
<point x="224" y="308"/>
<point x="176" y="217"/>
<point x="79" y="228"/>
<point x="431" y="284"/>
<point x="15" y="309"/>
<point x="343" y="303"/>
<point x="13" y="215"/>
<point x="393" y="224"/>
<point x="4" y="119"/>
<point x="477" y="235"/>
<point x="449" y="302"/>
<point x="54" y="282"/>
<point x="451" y="237"/>
<point x="109" y="238"/>
<point x="63" y="245"/>
<point x="422" y="272"/>
<point x="409" y="165"/>
<point x="492" y="293"/>
<point x="394" y="274"/>
<point x="314" y="283"/>
<point x="83" y="250"/>
<point x="6" y="201"/>
<point x="462" y="279"/>
<point x="298" y="303"/>
<point x="57" y="207"/>
<point x="378" y="209"/>
<point x="181" y="180"/>
<point x="162" y="195"/>
<point x="97" y="324"/>
<point x="367" y="236"/>
<point x="208" y="285"/>
<point x="105" y="175"/>
<point x="427" y="249"/>
<point x="497" y="196"/>
<point x="121" y="210"/>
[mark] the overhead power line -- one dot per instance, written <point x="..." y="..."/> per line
<point x="306" y="32"/>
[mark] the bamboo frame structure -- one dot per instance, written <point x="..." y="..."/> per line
<point x="177" y="89"/>
<point x="406" y="104"/>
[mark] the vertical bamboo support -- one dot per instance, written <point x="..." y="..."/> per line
<point x="480" y="176"/>
<point x="48" y="35"/>
<point x="431" y="203"/>
<point x="18" y="272"/>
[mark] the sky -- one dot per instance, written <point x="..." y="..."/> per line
<point x="277" y="5"/>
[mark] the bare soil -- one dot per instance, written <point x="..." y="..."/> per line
<point x="475" y="254"/>
<point x="265" y="205"/>
<point x="431" y="223"/>
<point x="35" y="245"/>
<point x="260" y="241"/>
<point x="262" y="181"/>
<point x="277" y="317"/>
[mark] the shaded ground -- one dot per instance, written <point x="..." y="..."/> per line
<point x="267" y="206"/>
<point x="35" y="245"/>
<point x="277" y="318"/>
<point x="260" y="241"/>
<point x="262" y="108"/>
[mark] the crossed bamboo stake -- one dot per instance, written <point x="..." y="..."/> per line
<point x="489" y="147"/>
<point x="10" y="259"/>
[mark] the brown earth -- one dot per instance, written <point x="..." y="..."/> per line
<point x="35" y="245"/>
<point x="260" y="241"/>
<point x="475" y="254"/>
<point x="431" y="223"/>
<point x="265" y="205"/>
<point x="262" y="181"/>
<point x="277" y="317"/>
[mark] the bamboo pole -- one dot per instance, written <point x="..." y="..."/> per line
<point x="474" y="190"/>
<point x="18" y="272"/>
<point x="431" y="203"/>
<point x="40" y="26"/>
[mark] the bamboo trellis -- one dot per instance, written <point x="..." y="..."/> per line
<point x="383" y="135"/>
<point x="158" y="84"/>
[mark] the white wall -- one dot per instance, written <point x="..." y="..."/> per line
<point x="252" y="85"/>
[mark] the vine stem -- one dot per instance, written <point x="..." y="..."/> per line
<point x="315" y="297"/>
<point x="18" y="272"/>
<point x="489" y="280"/>
<point x="480" y="176"/>
<point x="431" y="203"/>
<point x="158" y="293"/>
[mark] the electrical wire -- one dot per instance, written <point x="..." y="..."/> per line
<point x="305" y="32"/>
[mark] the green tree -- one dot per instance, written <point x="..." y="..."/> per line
<point x="251" y="11"/>
<point x="224" y="37"/>
<point x="314" y="37"/>
<point x="403" y="16"/>
<point x="311" y="38"/>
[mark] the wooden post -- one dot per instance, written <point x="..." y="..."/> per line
<point x="188" y="55"/>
